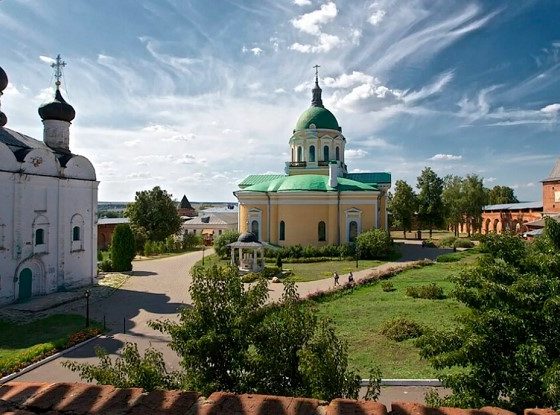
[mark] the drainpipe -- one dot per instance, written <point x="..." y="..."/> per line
<point x="268" y="217"/>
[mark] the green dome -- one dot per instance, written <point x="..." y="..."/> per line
<point x="320" y="116"/>
<point x="308" y="183"/>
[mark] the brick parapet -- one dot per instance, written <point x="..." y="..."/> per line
<point x="23" y="398"/>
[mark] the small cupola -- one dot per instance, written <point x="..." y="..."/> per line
<point x="3" y="86"/>
<point x="57" y="115"/>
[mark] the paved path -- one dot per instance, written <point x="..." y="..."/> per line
<point x="156" y="290"/>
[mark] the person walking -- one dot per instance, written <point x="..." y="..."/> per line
<point x="336" y="277"/>
<point x="351" y="278"/>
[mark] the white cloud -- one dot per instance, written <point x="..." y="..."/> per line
<point x="355" y="36"/>
<point x="325" y="43"/>
<point x="348" y="80"/>
<point x="552" y="109"/>
<point x="255" y="51"/>
<point x="186" y="159"/>
<point x="447" y="157"/>
<point x="489" y="179"/>
<point x="310" y="22"/>
<point x="302" y="2"/>
<point x="355" y="154"/>
<point x="46" y="59"/>
<point x="437" y="86"/>
<point x="131" y="143"/>
<point x="377" y="17"/>
<point x="138" y="175"/>
<point x="181" y="137"/>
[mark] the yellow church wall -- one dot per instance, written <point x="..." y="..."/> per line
<point x="302" y="222"/>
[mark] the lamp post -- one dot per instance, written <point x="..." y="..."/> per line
<point x="357" y="256"/>
<point x="203" y="248"/>
<point x="86" y="295"/>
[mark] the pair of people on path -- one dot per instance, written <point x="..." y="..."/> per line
<point x="337" y="277"/>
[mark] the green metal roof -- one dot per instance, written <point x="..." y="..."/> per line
<point x="320" y="116"/>
<point x="370" y="177"/>
<point x="309" y="183"/>
<point x="259" y="178"/>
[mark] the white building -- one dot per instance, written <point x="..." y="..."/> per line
<point x="212" y="222"/>
<point x="48" y="206"/>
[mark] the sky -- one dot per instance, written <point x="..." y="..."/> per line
<point x="195" y="95"/>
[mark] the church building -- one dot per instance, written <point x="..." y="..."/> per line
<point x="317" y="201"/>
<point x="48" y="212"/>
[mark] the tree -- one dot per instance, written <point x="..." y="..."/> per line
<point x="474" y="200"/>
<point x="154" y="213"/>
<point x="191" y="240"/>
<point x="403" y="206"/>
<point x="453" y="199"/>
<point x="221" y="242"/>
<point x="430" y="205"/>
<point x="505" y="351"/>
<point x="374" y="244"/>
<point x="500" y="195"/>
<point x="123" y="248"/>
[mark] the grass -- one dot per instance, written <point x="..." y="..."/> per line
<point x="436" y="234"/>
<point x="22" y="344"/>
<point x="359" y="314"/>
<point x="311" y="271"/>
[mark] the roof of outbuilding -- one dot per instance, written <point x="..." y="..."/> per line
<point x="259" y="178"/>
<point x="370" y="177"/>
<point x="514" y="206"/>
<point x="309" y="183"/>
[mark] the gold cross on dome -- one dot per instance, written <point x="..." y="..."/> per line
<point x="58" y="65"/>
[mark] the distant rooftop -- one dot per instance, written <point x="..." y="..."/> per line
<point x="112" y="221"/>
<point x="514" y="206"/>
<point x="229" y="208"/>
<point x="554" y="174"/>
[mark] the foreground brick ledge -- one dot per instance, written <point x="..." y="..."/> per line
<point x="27" y="398"/>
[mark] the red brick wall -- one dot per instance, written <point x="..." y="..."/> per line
<point x="498" y="221"/>
<point x="104" y="235"/>
<point x="548" y="189"/>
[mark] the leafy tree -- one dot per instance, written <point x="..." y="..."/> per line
<point x="129" y="371"/>
<point x="154" y="213"/>
<point x="552" y="231"/>
<point x="474" y="200"/>
<point x="374" y="244"/>
<point x="123" y="248"/>
<point x="507" y="347"/>
<point x="453" y="199"/>
<point x="221" y="242"/>
<point x="190" y="240"/>
<point x="403" y="206"/>
<point x="430" y="204"/>
<point x="501" y="194"/>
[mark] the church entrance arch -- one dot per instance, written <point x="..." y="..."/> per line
<point x="255" y="228"/>
<point x="25" y="283"/>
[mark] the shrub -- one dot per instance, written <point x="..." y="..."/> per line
<point x="250" y="277"/>
<point x="510" y="248"/>
<point x="221" y="242"/>
<point x="270" y="272"/>
<point x="148" y="248"/>
<point x="99" y="255"/>
<point x="429" y="243"/>
<point x="430" y="292"/>
<point x="401" y="328"/>
<point x="451" y="257"/>
<point x="106" y="265"/>
<point x="447" y="242"/>
<point x="123" y="248"/>
<point x="374" y="244"/>
<point x="463" y="243"/>
<point x="387" y="286"/>
<point x="190" y="240"/>
<point x="279" y="261"/>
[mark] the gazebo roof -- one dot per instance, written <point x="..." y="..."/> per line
<point x="246" y="245"/>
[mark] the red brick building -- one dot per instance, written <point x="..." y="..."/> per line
<point x="105" y="229"/>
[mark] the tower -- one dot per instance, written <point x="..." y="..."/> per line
<point x="57" y="115"/>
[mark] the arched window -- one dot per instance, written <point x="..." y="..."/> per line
<point x="255" y="228"/>
<point x="326" y="153"/>
<point x="322" y="231"/>
<point x="282" y="236"/>
<point x="299" y="154"/>
<point x="337" y="153"/>
<point x="39" y="236"/>
<point x="352" y="231"/>
<point x="311" y="153"/>
<point x="76" y="233"/>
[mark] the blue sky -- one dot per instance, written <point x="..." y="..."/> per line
<point x="195" y="95"/>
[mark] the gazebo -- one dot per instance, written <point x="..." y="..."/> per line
<point x="249" y="249"/>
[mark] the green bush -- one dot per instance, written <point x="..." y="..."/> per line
<point x="447" y="242"/>
<point x="429" y="243"/>
<point x="270" y="272"/>
<point x="148" y="248"/>
<point x="106" y="265"/>
<point x="509" y="247"/>
<point x="123" y="248"/>
<point x="430" y="292"/>
<point x="191" y="240"/>
<point x="401" y="328"/>
<point x="99" y="255"/>
<point x="451" y="257"/>
<point x="387" y="286"/>
<point x="279" y="261"/>
<point x="325" y="252"/>
<point x="250" y="277"/>
<point x="221" y="242"/>
<point x="374" y="244"/>
<point x="463" y="243"/>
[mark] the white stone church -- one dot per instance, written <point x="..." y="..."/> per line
<point x="48" y="204"/>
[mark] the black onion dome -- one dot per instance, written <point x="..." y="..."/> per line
<point x="59" y="109"/>
<point x="3" y="79"/>
<point x="3" y="119"/>
<point x="247" y="237"/>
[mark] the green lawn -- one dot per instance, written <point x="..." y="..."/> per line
<point x="308" y="271"/>
<point x="21" y="344"/>
<point x="358" y="316"/>
<point x="436" y="234"/>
